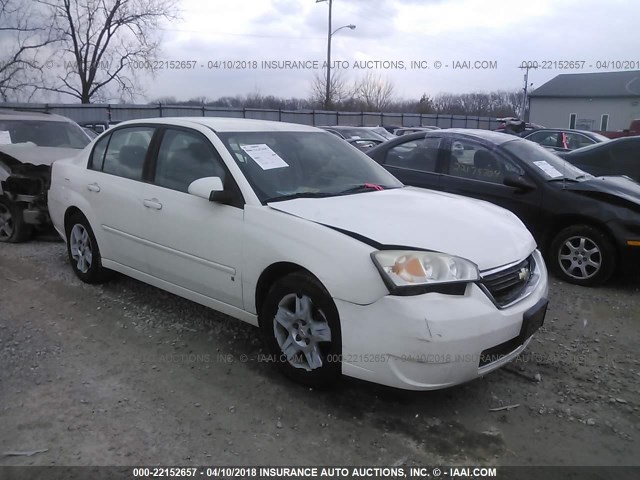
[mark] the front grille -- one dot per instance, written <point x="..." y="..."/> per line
<point x="507" y="285"/>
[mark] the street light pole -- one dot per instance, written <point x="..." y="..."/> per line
<point x="327" y="96"/>
<point x="330" y="34"/>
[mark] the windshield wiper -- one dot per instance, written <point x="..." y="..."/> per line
<point x="562" y="179"/>
<point x="293" y="196"/>
<point x="363" y="187"/>
<point x="569" y="179"/>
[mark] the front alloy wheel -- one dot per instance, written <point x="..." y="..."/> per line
<point x="12" y="226"/>
<point x="6" y="223"/>
<point x="301" y="330"/>
<point x="583" y="255"/>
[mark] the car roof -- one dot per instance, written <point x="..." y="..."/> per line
<point x="605" y="145"/>
<point x="567" y="130"/>
<point x="224" y="124"/>
<point x="491" y="136"/>
<point x="9" y="114"/>
<point x="343" y="127"/>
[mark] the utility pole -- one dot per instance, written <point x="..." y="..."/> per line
<point x="327" y="95"/>
<point x="327" y="98"/>
<point x="523" y="108"/>
<point x="330" y="34"/>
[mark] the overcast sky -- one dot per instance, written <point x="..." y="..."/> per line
<point x="507" y="32"/>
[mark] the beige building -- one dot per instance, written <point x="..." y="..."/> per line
<point x="606" y="101"/>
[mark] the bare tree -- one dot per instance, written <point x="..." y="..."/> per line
<point x="165" y="100"/>
<point x="22" y="36"/>
<point x="499" y="103"/>
<point x="339" y="89"/>
<point x="374" y="92"/>
<point x="425" y="104"/>
<point x="104" y="42"/>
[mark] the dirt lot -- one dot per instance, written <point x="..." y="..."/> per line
<point x="126" y="374"/>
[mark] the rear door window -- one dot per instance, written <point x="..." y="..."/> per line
<point x="127" y="151"/>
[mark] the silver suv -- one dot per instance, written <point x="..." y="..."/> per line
<point x="29" y="143"/>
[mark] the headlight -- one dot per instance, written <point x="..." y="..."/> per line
<point x="414" y="272"/>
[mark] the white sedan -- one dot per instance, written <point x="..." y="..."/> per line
<point x="344" y="269"/>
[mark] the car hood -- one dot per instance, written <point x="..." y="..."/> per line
<point x="35" y="155"/>
<point x="411" y="217"/>
<point x="610" y="189"/>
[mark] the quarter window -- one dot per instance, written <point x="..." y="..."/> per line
<point x="184" y="157"/>
<point x="576" y="140"/>
<point x="126" y="152"/>
<point x="97" y="157"/>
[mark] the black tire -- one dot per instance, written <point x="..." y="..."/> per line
<point x="88" y="272"/>
<point x="323" y="314"/>
<point x="583" y="255"/>
<point x="12" y="226"/>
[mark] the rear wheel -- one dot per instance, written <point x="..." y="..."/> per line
<point x="12" y="226"/>
<point x="301" y="330"/>
<point x="583" y="255"/>
<point x="83" y="251"/>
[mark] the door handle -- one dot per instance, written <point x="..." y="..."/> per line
<point x="93" y="187"/>
<point x="152" y="203"/>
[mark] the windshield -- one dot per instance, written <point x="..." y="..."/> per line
<point x="599" y="137"/>
<point x="281" y="165"/>
<point x="43" y="133"/>
<point x="358" y="133"/>
<point x="547" y="164"/>
<point x="383" y="132"/>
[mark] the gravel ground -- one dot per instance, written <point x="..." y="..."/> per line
<point x="126" y="374"/>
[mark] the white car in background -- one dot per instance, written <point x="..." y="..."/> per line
<point x="287" y="227"/>
<point x="29" y="143"/>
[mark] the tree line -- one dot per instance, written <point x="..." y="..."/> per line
<point x="498" y="103"/>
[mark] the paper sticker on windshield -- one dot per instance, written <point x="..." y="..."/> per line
<point x="550" y="170"/>
<point x="264" y="156"/>
<point x="5" y="137"/>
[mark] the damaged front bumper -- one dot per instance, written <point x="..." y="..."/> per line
<point x="26" y="185"/>
<point x="433" y="341"/>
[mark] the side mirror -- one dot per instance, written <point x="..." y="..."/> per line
<point x="207" y="188"/>
<point x="518" y="181"/>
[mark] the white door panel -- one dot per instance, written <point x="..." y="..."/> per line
<point x="114" y="188"/>
<point x="118" y="204"/>
<point x="195" y="244"/>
